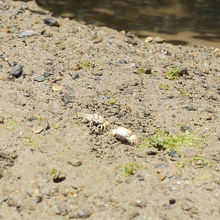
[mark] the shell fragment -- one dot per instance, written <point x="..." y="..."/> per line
<point x="125" y="135"/>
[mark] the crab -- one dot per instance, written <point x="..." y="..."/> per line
<point x="125" y="135"/>
<point x="96" y="120"/>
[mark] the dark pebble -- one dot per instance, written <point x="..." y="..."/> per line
<point x="183" y="71"/>
<point x="17" y="71"/>
<point x="218" y="90"/>
<point x="146" y="114"/>
<point x="51" y="22"/>
<point x="147" y="71"/>
<point x="172" y="201"/>
<point x="83" y="213"/>
<point x="3" y="199"/>
<point x="39" y="78"/>
<point x="173" y="154"/>
<point x="198" y="72"/>
<point x="38" y="199"/>
<point x="31" y="119"/>
<point x="151" y="153"/>
<point x="184" y="128"/>
<point x="97" y="74"/>
<point x="67" y="99"/>
<point x="27" y="33"/>
<point x="58" y="179"/>
<point x="190" y="108"/>
<point x="46" y="34"/>
<point x="141" y="178"/>
<point x="132" y="42"/>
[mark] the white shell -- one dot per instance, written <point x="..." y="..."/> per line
<point x="134" y="139"/>
<point x="121" y="132"/>
<point x="125" y="135"/>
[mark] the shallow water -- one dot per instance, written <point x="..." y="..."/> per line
<point x="186" y="21"/>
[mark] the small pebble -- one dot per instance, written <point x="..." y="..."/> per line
<point x="17" y="71"/>
<point x="67" y="99"/>
<point x="148" y="39"/>
<point x="141" y="178"/>
<point x="97" y="39"/>
<point x="39" y="78"/>
<point x="147" y="71"/>
<point x="151" y="153"/>
<point x="51" y="22"/>
<point x="183" y="71"/>
<point x="57" y="88"/>
<point x="184" y="128"/>
<point x="83" y="213"/>
<point x="173" y="154"/>
<point x="139" y="203"/>
<point x="74" y="75"/>
<point x="190" y="108"/>
<point x="31" y="119"/>
<point x="132" y="42"/>
<point x="161" y="165"/>
<point x="59" y="178"/>
<point x="58" y="78"/>
<point x="75" y="67"/>
<point x="46" y="34"/>
<point x="123" y="61"/>
<point x="158" y="40"/>
<point x="97" y="73"/>
<point x="172" y="201"/>
<point x="3" y="199"/>
<point x="198" y="72"/>
<point x="27" y="33"/>
<point x="134" y="65"/>
<point x="2" y="120"/>
<point x="38" y="198"/>
<point x="166" y="52"/>
<point x="75" y="162"/>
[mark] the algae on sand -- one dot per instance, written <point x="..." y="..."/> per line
<point x="196" y="160"/>
<point x="163" y="140"/>
<point x="175" y="73"/>
<point x="128" y="169"/>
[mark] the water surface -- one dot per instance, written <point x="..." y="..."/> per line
<point x="189" y="21"/>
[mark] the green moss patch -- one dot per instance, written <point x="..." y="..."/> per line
<point x="87" y="65"/>
<point x="185" y="93"/>
<point x="128" y="169"/>
<point x="10" y="125"/>
<point x="144" y="70"/>
<point x="30" y="141"/>
<point x="163" y="140"/>
<point x="175" y="73"/>
<point x="197" y="160"/>
<point x="165" y="87"/>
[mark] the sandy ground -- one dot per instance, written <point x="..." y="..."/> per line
<point x="55" y="164"/>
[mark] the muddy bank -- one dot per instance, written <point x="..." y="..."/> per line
<point x="55" y="163"/>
